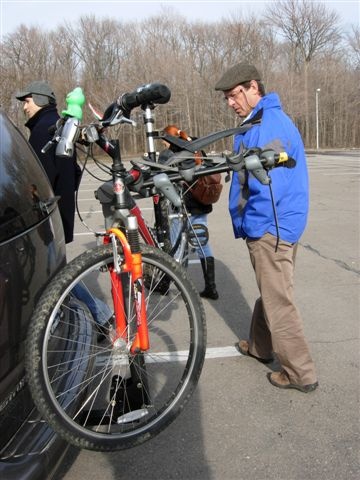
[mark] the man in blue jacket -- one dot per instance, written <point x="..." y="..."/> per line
<point x="276" y="325"/>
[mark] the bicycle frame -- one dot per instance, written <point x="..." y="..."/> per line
<point x="127" y="204"/>
<point x="112" y="148"/>
<point x="131" y="218"/>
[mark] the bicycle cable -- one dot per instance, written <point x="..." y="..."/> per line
<point x="275" y="215"/>
<point x="89" y="154"/>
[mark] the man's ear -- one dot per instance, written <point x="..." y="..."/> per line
<point x="254" y="85"/>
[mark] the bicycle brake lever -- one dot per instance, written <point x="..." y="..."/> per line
<point x="128" y="121"/>
<point x="253" y="164"/>
<point x="163" y="183"/>
<point x="118" y="119"/>
<point x="236" y="162"/>
<point x="56" y="131"/>
<point x="49" y="144"/>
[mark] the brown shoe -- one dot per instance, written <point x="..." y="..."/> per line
<point x="281" y="380"/>
<point x="243" y="347"/>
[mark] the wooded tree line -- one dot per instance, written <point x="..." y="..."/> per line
<point x="299" y="47"/>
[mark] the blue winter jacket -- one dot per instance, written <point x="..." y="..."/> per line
<point x="251" y="210"/>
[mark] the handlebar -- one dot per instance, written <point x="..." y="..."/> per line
<point x="258" y="162"/>
<point x="67" y="128"/>
<point x="145" y="95"/>
<point x="254" y="160"/>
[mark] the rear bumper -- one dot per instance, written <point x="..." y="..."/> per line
<point x="33" y="453"/>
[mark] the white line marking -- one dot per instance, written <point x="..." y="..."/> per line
<point x="338" y="174"/>
<point x="178" y="356"/>
<point x="222" y="352"/>
<point x="86" y="199"/>
<point x="90" y="211"/>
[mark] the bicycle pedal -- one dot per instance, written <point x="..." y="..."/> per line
<point x="198" y="235"/>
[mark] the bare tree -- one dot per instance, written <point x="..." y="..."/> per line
<point x="310" y="28"/>
<point x="353" y="39"/>
<point x="26" y="55"/>
<point x="107" y="57"/>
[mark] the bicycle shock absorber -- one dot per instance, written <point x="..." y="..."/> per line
<point x="132" y="263"/>
<point x="133" y="234"/>
<point x="141" y="341"/>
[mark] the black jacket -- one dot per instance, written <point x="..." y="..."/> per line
<point x="62" y="173"/>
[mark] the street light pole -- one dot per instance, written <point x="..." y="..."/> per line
<point x="317" y="116"/>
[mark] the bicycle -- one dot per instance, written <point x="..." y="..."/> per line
<point x="113" y="386"/>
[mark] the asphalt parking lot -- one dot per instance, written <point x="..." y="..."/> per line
<point x="237" y="425"/>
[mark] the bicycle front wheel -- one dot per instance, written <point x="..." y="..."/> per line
<point x="91" y="389"/>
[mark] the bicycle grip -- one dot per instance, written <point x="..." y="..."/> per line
<point x="146" y="94"/>
<point x="271" y="159"/>
<point x="283" y="160"/>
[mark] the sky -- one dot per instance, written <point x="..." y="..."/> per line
<point x="48" y="14"/>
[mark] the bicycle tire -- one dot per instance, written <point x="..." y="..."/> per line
<point x="95" y="395"/>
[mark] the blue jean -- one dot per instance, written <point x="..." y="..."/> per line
<point x="98" y="309"/>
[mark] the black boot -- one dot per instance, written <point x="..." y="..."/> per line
<point x="208" y="268"/>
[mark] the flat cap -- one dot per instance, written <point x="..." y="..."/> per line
<point x="41" y="92"/>
<point x="237" y="74"/>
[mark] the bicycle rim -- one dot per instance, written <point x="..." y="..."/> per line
<point x="92" y="390"/>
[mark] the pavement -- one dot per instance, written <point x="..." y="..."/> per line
<point x="237" y="425"/>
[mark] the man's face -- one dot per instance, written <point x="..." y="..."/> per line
<point x="243" y="100"/>
<point x="30" y="107"/>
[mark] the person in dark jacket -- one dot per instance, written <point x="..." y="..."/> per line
<point x="39" y="104"/>
<point x="276" y="324"/>
<point x="63" y="173"/>
<point x="199" y="213"/>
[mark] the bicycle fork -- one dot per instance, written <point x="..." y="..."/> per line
<point x="132" y="263"/>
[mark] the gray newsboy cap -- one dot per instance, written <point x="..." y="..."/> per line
<point x="239" y="73"/>
<point x="40" y="91"/>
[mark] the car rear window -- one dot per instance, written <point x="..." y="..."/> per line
<point x="24" y="187"/>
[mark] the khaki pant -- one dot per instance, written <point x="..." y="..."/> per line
<point x="276" y="324"/>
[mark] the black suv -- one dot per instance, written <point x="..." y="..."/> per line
<point x="32" y="250"/>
